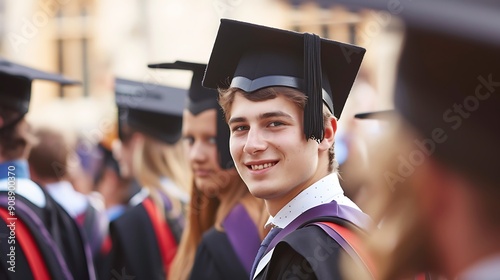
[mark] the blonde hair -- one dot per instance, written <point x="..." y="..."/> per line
<point x="153" y="160"/>
<point x="200" y="217"/>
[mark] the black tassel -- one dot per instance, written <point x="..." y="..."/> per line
<point x="313" y="111"/>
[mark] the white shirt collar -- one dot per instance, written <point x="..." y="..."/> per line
<point x="28" y="189"/>
<point x="139" y="197"/>
<point x="323" y="191"/>
<point x="487" y="269"/>
<point x="72" y="201"/>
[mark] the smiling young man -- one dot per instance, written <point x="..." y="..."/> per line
<point x="287" y="91"/>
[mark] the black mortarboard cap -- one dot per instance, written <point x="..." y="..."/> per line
<point x="15" y="84"/>
<point x="448" y="79"/>
<point x="201" y="99"/>
<point x="251" y="57"/>
<point x="152" y="109"/>
<point x="376" y="115"/>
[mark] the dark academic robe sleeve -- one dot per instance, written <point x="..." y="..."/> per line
<point x="68" y="236"/>
<point x="135" y="251"/>
<point x="307" y="253"/>
<point x="93" y="223"/>
<point x="63" y="232"/>
<point x="216" y="259"/>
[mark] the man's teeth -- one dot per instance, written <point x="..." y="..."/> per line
<point x="262" y="166"/>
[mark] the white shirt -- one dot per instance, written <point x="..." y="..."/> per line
<point x="487" y="269"/>
<point x="27" y="189"/>
<point x="72" y="201"/>
<point x="323" y="191"/>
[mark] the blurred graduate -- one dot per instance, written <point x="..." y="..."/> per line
<point x="441" y="159"/>
<point x="49" y="166"/>
<point x="145" y="235"/>
<point x="39" y="239"/>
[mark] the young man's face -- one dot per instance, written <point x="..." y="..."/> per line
<point x="199" y="132"/>
<point x="269" y="148"/>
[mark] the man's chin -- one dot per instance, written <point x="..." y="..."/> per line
<point x="262" y="192"/>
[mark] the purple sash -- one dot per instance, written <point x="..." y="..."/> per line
<point x="243" y="235"/>
<point x="331" y="209"/>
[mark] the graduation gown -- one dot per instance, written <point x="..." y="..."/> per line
<point x="303" y="254"/>
<point x="229" y="254"/>
<point x="87" y="210"/>
<point x="216" y="259"/>
<point x="94" y="225"/>
<point x="305" y="251"/>
<point x="55" y="235"/>
<point x="142" y="243"/>
<point x="103" y="258"/>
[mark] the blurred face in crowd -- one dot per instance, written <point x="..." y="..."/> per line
<point x="199" y="134"/>
<point x="123" y="151"/>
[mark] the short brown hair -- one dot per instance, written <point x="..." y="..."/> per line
<point x="226" y="99"/>
<point x="49" y="157"/>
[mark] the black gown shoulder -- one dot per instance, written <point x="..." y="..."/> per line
<point x="216" y="259"/>
<point x="135" y="249"/>
<point x="307" y="253"/>
<point x="58" y="240"/>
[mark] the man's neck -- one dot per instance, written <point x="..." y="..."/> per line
<point x="275" y="205"/>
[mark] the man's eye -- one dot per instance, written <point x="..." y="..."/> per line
<point x="240" y="128"/>
<point x="212" y="140"/>
<point x="272" y="124"/>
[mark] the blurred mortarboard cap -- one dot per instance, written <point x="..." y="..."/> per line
<point x="468" y="19"/>
<point x="252" y="57"/>
<point x="152" y="109"/>
<point x="15" y="84"/>
<point x="376" y="115"/>
<point x="201" y="99"/>
<point x="448" y="79"/>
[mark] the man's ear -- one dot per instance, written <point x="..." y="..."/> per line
<point x="329" y="134"/>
